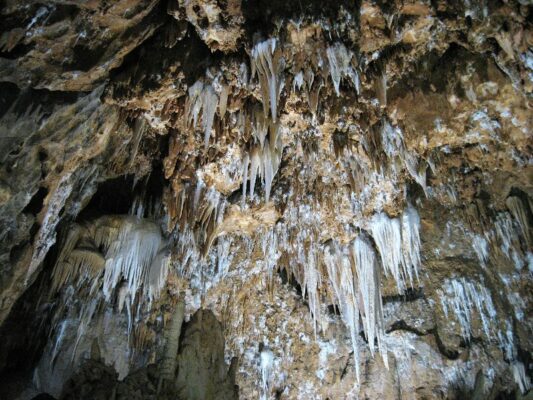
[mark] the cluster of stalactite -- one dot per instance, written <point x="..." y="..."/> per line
<point x="333" y="235"/>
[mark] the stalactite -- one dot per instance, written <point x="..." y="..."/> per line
<point x="265" y="154"/>
<point x="210" y="102"/>
<point x="353" y="271"/>
<point x="245" y="162"/>
<point x="132" y="267"/>
<point x="506" y="233"/>
<point x="357" y="292"/>
<point x="266" y="365"/>
<point x="464" y="297"/>
<point x="416" y="168"/>
<point x="87" y="312"/>
<point x="194" y="103"/>
<point x="267" y="62"/>
<point x="520" y="377"/>
<point x="255" y="166"/>
<point x="366" y="267"/>
<point x="342" y="281"/>
<point x="312" y="283"/>
<point x="391" y="139"/>
<point x="392" y="144"/>
<point x="518" y="209"/>
<point x="46" y="235"/>
<point x="196" y="213"/>
<point x="398" y="243"/>
<point x="139" y="129"/>
<point x="381" y="87"/>
<point x="130" y="254"/>
<point x="224" y="257"/>
<point x="339" y="59"/>
<point x="202" y="99"/>
<point x="313" y="93"/>
<point x="298" y="81"/>
<point x="223" y="103"/>
<point x="481" y="248"/>
<point x="411" y="241"/>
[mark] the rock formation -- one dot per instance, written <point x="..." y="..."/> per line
<point x="220" y="199"/>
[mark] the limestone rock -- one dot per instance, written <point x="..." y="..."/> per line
<point x="340" y="193"/>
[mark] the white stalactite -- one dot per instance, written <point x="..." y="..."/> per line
<point x="113" y="256"/>
<point x="463" y="298"/>
<point x="266" y="61"/>
<point x="398" y="243"/>
<point x="202" y="99"/>
<point x="339" y="58"/>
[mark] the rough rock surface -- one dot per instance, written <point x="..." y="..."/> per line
<point x="203" y="373"/>
<point x="340" y="192"/>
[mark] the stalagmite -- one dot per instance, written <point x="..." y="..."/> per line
<point x="172" y="335"/>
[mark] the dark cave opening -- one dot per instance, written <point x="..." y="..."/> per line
<point x="36" y="203"/>
<point x="113" y="196"/>
<point x="26" y="332"/>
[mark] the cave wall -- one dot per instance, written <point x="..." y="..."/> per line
<point x="343" y="190"/>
